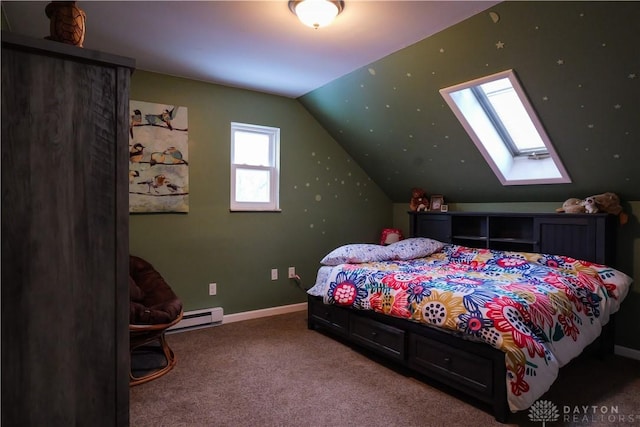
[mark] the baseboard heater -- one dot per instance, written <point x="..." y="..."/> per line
<point x="197" y="319"/>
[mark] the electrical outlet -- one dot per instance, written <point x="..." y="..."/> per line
<point x="213" y="288"/>
<point x="292" y="272"/>
<point x="274" y="274"/>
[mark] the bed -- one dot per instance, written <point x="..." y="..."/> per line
<point x="497" y="325"/>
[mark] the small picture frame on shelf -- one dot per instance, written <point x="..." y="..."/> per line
<point x="436" y="202"/>
<point x="444" y="208"/>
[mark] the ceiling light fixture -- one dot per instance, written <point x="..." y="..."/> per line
<point x="316" y="13"/>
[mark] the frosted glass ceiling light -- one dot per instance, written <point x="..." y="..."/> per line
<point x="316" y="13"/>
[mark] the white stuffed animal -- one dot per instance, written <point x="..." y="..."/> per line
<point x="590" y="205"/>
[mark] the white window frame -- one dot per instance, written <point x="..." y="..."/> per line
<point x="510" y="167"/>
<point x="273" y="168"/>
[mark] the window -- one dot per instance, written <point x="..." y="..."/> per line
<point x="255" y="168"/>
<point x="498" y="117"/>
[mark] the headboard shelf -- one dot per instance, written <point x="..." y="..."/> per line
<point x="590" y="237"/>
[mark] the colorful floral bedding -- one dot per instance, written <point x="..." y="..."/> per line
<point x="541" y="310"/>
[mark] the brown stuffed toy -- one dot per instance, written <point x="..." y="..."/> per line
<point x="610" y="203"/>
<point x="572" y="205"/>
<point x="419" y="201"/>
<point x="605" y="202"/>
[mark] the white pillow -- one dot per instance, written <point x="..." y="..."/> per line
<point x="357" y="253"/>
<point x="414" y="247"/>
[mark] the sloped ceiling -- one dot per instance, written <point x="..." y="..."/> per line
<point x="258" y="45"/>
<point x="579" y="62"/>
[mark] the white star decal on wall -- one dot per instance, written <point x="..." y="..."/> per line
<point x="560" y="62"/>
<point x="632" y="76"/>
<point x="499" y="45"/>
<point x="441" y="50"/>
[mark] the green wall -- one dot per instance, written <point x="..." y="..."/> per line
<point x="326" y="201"/>
<point x="627" y="254"/>
<point x="391" y="118"/>
<point x="579" y="63"/>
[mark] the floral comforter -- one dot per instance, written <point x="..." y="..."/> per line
<point x="541" y="310"/>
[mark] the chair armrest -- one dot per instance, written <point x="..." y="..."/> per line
<point x="137" y="327"/>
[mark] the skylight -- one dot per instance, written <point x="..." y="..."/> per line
<point x="498" y="117"/>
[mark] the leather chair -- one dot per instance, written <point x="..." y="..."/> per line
<point x="154" y="308"/>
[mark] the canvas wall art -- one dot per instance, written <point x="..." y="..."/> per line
<point x="158" y="158"/>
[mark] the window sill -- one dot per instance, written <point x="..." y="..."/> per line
<point x="256" y="210"/>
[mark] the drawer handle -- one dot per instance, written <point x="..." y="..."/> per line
<point x="374" y="334"/>
<point x="447" y="360"/>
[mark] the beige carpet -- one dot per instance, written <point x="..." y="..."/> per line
<point x="275" y="372"/>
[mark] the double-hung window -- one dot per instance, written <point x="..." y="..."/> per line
<point x="255" y="167"/>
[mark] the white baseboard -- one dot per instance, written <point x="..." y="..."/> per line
<point x="265" y="312"/>
<point x="630" y="353"/>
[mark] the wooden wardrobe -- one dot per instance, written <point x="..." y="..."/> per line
<point x="65" y="226"/>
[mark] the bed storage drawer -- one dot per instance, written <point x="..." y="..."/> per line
<point x="450" y="365"/>
<point x="329" y="316"/>
<point x="384" y="339"/>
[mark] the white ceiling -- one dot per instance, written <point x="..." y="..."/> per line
<point x="258" y="45"/>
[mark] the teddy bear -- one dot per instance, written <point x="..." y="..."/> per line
<point x="589" y="205"/>
<point x="572" y="205"/>
<point x="605" y="202"/>
<point x="419" y="201"/>
<point x="610" y="203"/>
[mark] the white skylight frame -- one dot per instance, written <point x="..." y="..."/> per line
<point x="526" y="168"/>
